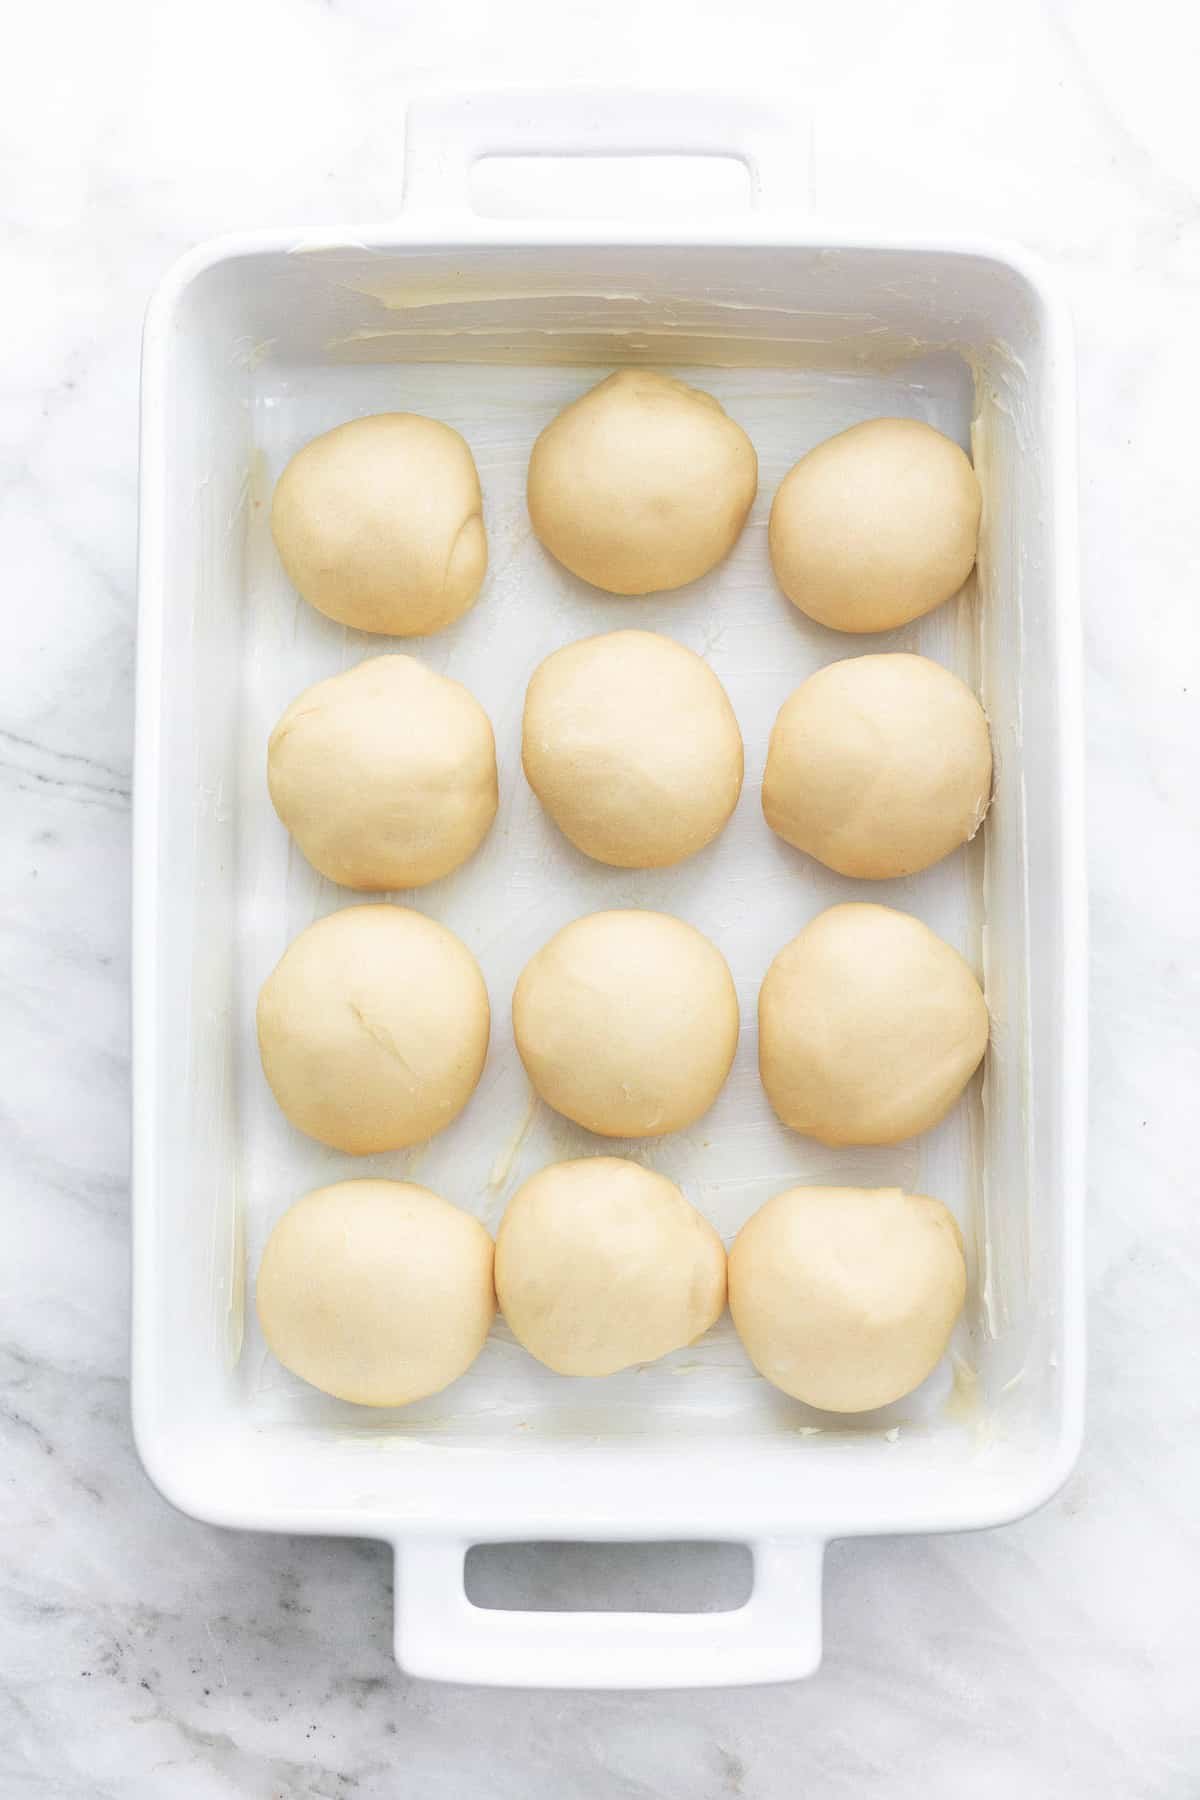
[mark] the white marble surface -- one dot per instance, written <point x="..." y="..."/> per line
<point x="144" y="1655"/>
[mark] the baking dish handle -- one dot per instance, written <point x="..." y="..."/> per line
<point x="446" y="135"/>
<point x="443" y="1636"/>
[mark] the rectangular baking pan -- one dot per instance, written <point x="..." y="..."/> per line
<point x="254" y="344"/>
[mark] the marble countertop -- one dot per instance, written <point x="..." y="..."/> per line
<point x="145" y="1655"/>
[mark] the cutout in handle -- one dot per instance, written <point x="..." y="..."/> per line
<point x="597" y="187"/>
<point x="570" y="1576"/>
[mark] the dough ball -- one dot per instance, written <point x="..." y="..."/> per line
<point x="876" y="525"/>
<point x="632" y="747"/>
<point x="642" y="484"/>
<point x="879" y="766"/>
<point x="601" y="1264"/>
<point x="373" y="1028"/>
<point x="627" y="1023"/>
<point x="386" y="775"/>
<point x="846" y="1297"/>
<point x="379" y="524"/>
<point x="376" y="1291"/>
<point x="869" y="1027"/>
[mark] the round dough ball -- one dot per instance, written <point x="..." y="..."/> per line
<point x="642" y="484"/>
<point x="376" y="1291"/>
<point x="632" y="747"/>
<point x="879" y="766"/>
<point x="846" y="1297"/>
<point x="373" y="1028"/>
<point x="627" y="1023"/>
<point x="379" y="524"/>
<point x="876" y="525"/>
<point x="386" y="775"/>
<point x="601" y="1264"/>
<point x="869" y="1027"/>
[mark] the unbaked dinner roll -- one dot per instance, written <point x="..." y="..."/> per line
<point x="632" y="747"/>
<point x="876" y="525"/>
<point x="378" y="1292"/>
<point x="379" y="524"/>
<point x="869" y="1027"/>
<point x="385" y="775"/>
<point x="846" y="1297"/>
<point x="601" y="1264"/>
<point x="373" y="1028"/>
<point x="641" y="484"/>
<point x="627" y="1023"/>
<point x="878" y="766"/>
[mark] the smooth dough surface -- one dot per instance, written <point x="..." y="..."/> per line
<point x="876" y="525"/>
<point x="385" y="775"/>
<point x="869" y="1027"/>
<point x="601" y="1264"/>
<point x="373" y="1028"/>
<point x="879" y="766"/>
<point x="846" y="1297"/>
<point x="642" y="484"/>
<point x="627" y="1023"/>
<point x="632" y="747"/>
<point x="379" y="524"/>
<point x="378" y="1292"/>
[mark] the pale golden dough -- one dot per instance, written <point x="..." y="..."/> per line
<point x="627" y="1023"/>
<point x="386" y="775"/>
<point x="632" y="747"/>
<point x="869" y="1027"/>
<point x="601" y="1264"/>
<point x="846" y="1297"/>
<point x="876" y="525"/>
<point x="379" y="524"/>
<point x="378" y="1292"/>
<point x="641" y="484"/>
<point x="878" y="766"/>
<point x="373" y="1028"/>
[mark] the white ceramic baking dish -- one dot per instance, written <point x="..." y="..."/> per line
<point x="252" y="346"/>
